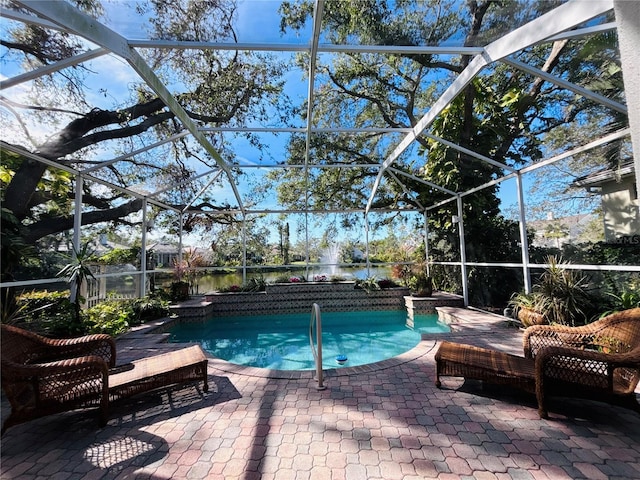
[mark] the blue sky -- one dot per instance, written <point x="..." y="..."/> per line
<point x="258" y="21"/>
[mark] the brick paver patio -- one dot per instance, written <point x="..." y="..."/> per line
<point x="386" y="421"/>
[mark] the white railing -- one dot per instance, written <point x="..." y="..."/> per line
<point x="316" y="319"/>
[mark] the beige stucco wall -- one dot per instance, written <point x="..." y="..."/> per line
<point x="621" y="206"/>
<point x="627" y="14"/>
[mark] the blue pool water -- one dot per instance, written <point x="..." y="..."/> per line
<point x="282" y="341"/>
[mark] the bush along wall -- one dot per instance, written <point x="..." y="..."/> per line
<point x="53" y="315"/>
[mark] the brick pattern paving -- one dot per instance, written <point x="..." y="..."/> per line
<point x="383" y="422"/>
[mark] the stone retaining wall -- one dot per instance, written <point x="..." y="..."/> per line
<point x="298" y="298"/>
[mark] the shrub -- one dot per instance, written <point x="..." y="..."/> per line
<point x="117" y="316"/>
<point x="285" y="278"/>
<point x="47" y="313"/>
<point x="53" y="315"/>
<point x="368" y="284"/>
<point x="623" y="301"/>
<point x="561" y="296"/>
<point x="256" y="284"/>
<point x="230" y="289"/>
<point x="112" y="317"/>
<point x="149" y="308"/>
<point x="179" y="291"/>
<point x="121" y="256"/>
<point x="387" y="283"/>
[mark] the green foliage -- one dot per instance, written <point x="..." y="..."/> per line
<point x="561" y="296"/>
<point x="53" y="315"/>
<point x="607" y="282"/>
<point x="385" y="283"/>
<point x="501" y="116"/>
<point x="120" y="256"/>
<point x="402" y="272"/>
<point x="421" y="284"/>
<point x="369" y="284"/>
<point x="415" y="277"/>
<point x="255" y="284"/>
<point x="231" y="289"/>
<point x="625" y="300"/>
<point x="186" y="271"/>
<point x="179" y="291"/>
<point x="372" y="284"/>
<point x="284" y="278"/>
<point x="48" y="313"/>
<point x="215" y="88"/>
<point x="78" y="271"/>
<point x="111" y="317"/>
<point x="149" y="308"/>
<point x="14" y="248"/>
<point x="115" y="317"/>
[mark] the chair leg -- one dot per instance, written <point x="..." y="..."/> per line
<point x="104" y="416"/>
<point x="104" y="405"/>
<point x="542" y="408"/>
<point x="205" y="385"/>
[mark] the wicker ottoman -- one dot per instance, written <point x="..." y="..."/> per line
<point x="172" y="368"/>
<point x="460" y="360"/>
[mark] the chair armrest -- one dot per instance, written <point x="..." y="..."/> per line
<point x="538" y="337"/>
<point x="26" y="385"/>
<point x="90" y="364"/>
<point x="100" y="344"/>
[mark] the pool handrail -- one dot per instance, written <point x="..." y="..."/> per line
<point x="316" y="318"/>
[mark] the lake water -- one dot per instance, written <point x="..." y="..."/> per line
<point x="213" y="282"/>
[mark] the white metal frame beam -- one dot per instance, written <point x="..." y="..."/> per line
<point x="51" y="163"/>
<point x="562" y="18"/>
<point x="596" y="97"/>
<point x="471" y="153"/>
<point x="124" y="156"/>
<point x="297" y="48"/>
<point x="318" y="10"/>
<point x="74" y="21"/>
<point x="53" y="67"/>
<point x="553" y="26"/>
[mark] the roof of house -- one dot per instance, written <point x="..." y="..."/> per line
<point x="605" y="175"/>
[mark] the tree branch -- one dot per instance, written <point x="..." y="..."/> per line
<point x="52" y="225"/>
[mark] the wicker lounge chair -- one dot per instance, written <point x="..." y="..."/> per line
<point x="42" y="376"/>
<point x="599" y="361"/>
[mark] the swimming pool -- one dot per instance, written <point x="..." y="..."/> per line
<point x="282" y="341"/>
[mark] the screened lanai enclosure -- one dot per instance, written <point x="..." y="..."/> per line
<point x="472" y="137"/>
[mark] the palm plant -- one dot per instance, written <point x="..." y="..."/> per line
<point x="77" y="272"/>
<point x="561" y="296"/>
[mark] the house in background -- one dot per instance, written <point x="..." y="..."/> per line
<point x="165" y="254"/>
<point x="619" y="196"/>
<point x="556" y="232"/>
